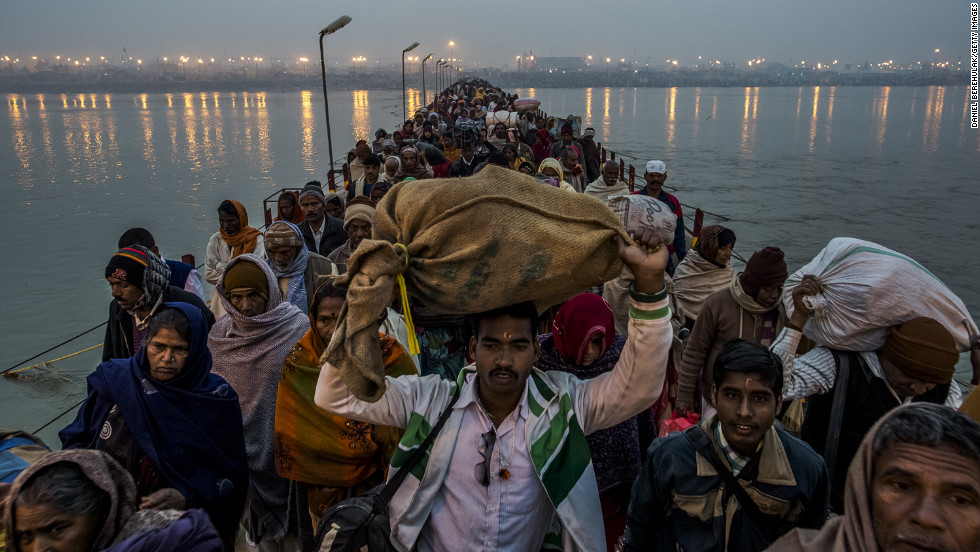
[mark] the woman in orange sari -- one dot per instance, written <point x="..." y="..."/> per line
<point x="233" y="238"/>
<point x="331" y="458"/>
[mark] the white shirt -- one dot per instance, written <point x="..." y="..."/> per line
<point x="816" y="372"/>
<point x="511" y="514"/>
<point x="318" y="232"/>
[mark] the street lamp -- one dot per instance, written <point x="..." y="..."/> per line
<point x="439" y="74"/>
<point x="338" y="24"/>
<point x="427" y="58"/>
<point x="404" y="101"/>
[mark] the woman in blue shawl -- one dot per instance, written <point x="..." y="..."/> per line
<point x="172" y="424"/>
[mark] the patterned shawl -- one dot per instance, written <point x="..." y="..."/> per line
<point x="296" y="292"/>
<point x="248" y="353"/>
<point x="320" y="448"/>
<point x="246" y="238"/>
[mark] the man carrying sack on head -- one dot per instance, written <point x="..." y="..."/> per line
<point x="511" y="464"/>
<point x="850" y="391"/>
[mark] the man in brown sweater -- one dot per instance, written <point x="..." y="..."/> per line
<point x="749" y="309"/>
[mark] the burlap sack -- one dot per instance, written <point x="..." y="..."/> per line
<point x="640" y="211"/>
<point x="473" y="244"/>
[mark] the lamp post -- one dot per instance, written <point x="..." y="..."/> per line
<point x="427" y="58"/>
<point x="404" y="100"/>
<point x="338" y="24"/>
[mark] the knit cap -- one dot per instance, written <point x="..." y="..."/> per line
<point x="281" y="234"/>
<point x="312" y="190"/>
<point x="128" y="264"/>
<point x="922" y="348"/>
<point x="362" y="148"/>
<point x="246" y="274"/>
<point x="764" y="268"/>
<point x="359" y="208"/>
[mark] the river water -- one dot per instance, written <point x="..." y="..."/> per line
<point x="792" y="167"/>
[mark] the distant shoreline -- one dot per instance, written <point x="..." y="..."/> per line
<point x="68" y="83"/>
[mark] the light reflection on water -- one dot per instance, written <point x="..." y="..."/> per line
<point x="896" y="165"/>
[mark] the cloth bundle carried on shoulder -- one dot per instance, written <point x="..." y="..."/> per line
<point x="466" y="245"/>
<point x="867" y="288"/>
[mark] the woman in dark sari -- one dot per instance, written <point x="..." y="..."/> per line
<point x="173" y="425"/>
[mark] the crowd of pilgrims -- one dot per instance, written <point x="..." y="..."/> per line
<point x="213" y="416"/>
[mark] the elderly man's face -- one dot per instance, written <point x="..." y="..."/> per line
<point x="282" y="256"/>
<point x="409" y="159"/>
<point x="571" y="159"/>
<point x="610" y="174"/>
<point x="358" y="230"/>
<point x="655" y="181"/>
<point x="391" y="166"/>
<point x="903" y="384"/>
<point x="925" y="498"/>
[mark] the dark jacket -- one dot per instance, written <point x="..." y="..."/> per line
<point x="333" y="235"/>
<point x="867" y="401"/>
<point x="678" y="488"/>
<point x="461" y="169"/>
<point x="119" y="330"/>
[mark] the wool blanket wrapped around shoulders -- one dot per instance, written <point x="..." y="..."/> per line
<point x="249" y="352"/>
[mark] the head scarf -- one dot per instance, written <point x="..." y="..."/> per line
<point x="298" y="216"/>
<point x="186" y="426"/>
<point x="578" y="321"/>
<point x="854" y="531"/>
<point x="314" y="449"/>
<point x="710" y="238"/>
<point x="245" y="276"/>
<point x="382" y="187"/>
<point x="339" y="196"/>
<point x="99" y="468"/>
<point x="246" y="238"/>
<point x="126" y="528"/>
<point x="554" y="164"/>
<point x="615" y="451"/>
<point x="542" y="149"/>
<point x="296" y="292"/>
<point x="248" y="352"/>
<point x="419" y="172"/>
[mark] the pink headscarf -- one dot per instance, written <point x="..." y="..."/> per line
<point x="577" y="323"/>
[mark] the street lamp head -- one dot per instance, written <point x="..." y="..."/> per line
<point x="410" y="48"/>
<point x="340" y="23"/>
<point x="427" y="58"/>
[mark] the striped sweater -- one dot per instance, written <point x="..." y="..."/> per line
<point x="563" y="410"/>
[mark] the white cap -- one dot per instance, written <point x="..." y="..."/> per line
<point x="656" y="167"/>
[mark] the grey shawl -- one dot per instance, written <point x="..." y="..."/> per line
<point x="249" y="352"/>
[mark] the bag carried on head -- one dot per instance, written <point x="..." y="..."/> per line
<point x="361" y="523"/>
<point x="466" y="245"/>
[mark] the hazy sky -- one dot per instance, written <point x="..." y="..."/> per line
<point x="494" y="33"/>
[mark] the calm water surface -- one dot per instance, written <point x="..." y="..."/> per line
<point x="792" y="167"/>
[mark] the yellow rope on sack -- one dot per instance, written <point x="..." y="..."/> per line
<point x="413" y="342"/>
